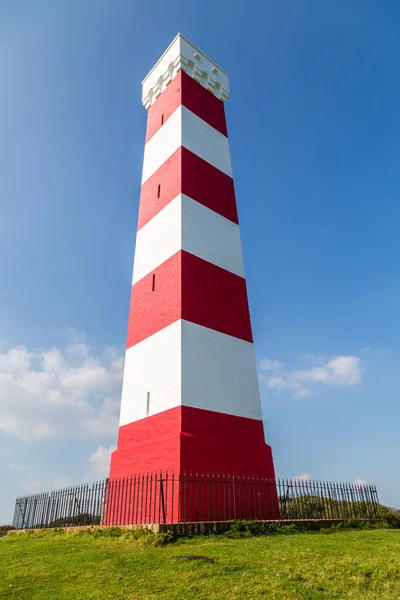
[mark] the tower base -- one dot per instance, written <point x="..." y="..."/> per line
<point x="185" y="439"/>
<point x="202" y="465"/>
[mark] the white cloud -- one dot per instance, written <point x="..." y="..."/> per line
<point x="37" y="481"/>
<point x="301" y="393"/>
<point x="79" y="349"/>
<point x="366" y="349"/>
<point x="313" y="358"/>
<point x="17" y="360"/>
<point x="341" y="370"/>
<point x="69" y="392"/>
<point x="76" y="336"/>
<point x="271" y="365"/>
<point x="100" y="460"/>
<point x="35" y="486"/>
<point x="360" y="482"/>
<point x="276" y="381"/>
<point x="338" y="370"/>
<point x="302" y="477"/>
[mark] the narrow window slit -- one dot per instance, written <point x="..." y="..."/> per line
<point x="154" y="283"/>
<point x="159" y="190"/>
<point x="148" y="404"/>
<point x="162" y="119"/>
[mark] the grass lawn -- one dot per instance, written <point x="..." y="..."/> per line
<point x="346" y="564"/>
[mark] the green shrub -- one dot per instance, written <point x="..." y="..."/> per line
<point x="316" y="507"/>
<point x="254" y="528"/>
<point x="4" y="529"/>
<point x="81" y="519"/>
<point x="390" y="515"/>
<point x="251" y="528"/>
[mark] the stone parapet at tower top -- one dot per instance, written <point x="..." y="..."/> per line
<point x="183" y="55"/>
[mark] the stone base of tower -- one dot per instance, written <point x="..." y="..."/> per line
<point x="212" y="454"/>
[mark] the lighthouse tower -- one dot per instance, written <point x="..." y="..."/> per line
<point x="190" y="398"/>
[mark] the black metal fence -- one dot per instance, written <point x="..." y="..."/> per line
<point x="180" y="498"/>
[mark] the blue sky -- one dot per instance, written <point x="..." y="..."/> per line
<point x="314" y="127"/>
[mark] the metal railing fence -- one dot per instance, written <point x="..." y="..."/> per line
<point x="181" y="498"/>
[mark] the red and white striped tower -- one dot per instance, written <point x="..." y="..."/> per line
<point x="190" y="398"/>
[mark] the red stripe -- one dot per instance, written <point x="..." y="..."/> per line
<point x="168" y="177"/>
<point x="214" y="298"/>
<point x="193" y="440"/>
<point x="165" y="105"/>
<point x="184" y="90"/>
<point x="185" y="172"/>
<point x="203" y="103"/>
<point x="209" y="186"/>
<point x="150" y="311"/>
<point x="149" y="444"/>
<point x="221" y="443"/>
<point x="190" y="288"/>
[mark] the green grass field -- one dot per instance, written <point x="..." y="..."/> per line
<point x="79" y="566"/>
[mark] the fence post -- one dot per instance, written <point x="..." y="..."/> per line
<point x="162" y="499"/>
<point x="23" y="513"/>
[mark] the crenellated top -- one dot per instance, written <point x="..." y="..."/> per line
<point x="181" y="54"/>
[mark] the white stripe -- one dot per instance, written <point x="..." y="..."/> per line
<point x="205" y="141"/>
<point x="162" y="144"/>
<point x="210" y="236"/>
<point x="184" y="128"/>
<point x="159" y="239"/>
<point x="219" y="372"/>
<point x="187" y="225"/>
<point x="191" y="365"/>
<point x="153" y="365"/>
